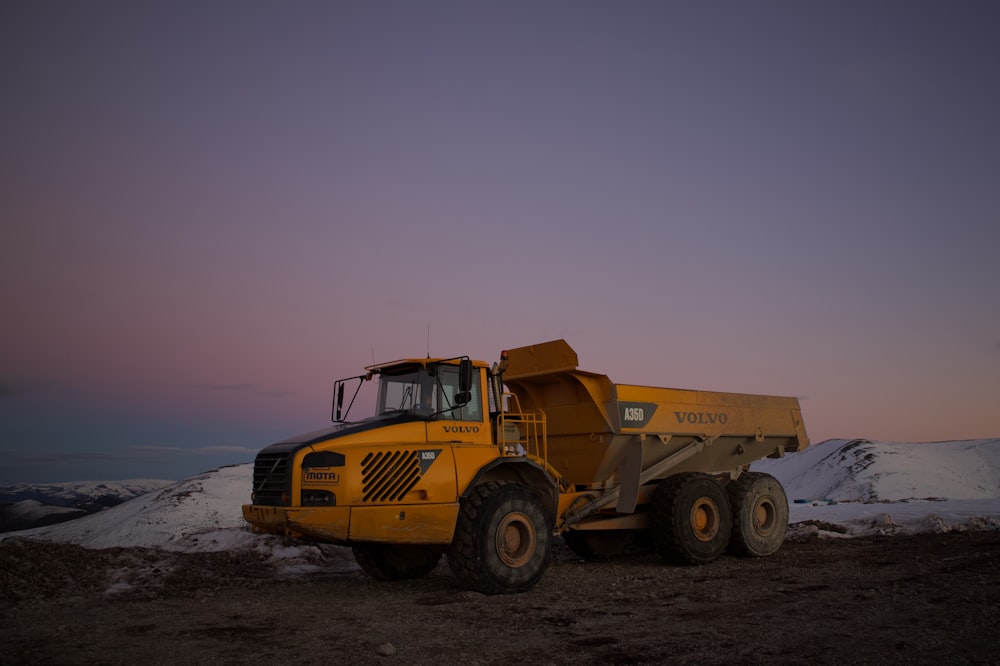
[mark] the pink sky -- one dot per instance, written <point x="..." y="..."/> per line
<point x="209" y="213"/>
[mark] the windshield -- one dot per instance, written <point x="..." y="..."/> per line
<point x="426" y="392"/>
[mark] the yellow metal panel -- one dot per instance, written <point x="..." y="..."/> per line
<point x="458" y="432"/>
<point x="469" y="460"/>
<point x="541" y="359"/>
<point x="701" y="413"/>
<point x="324" y="523"/>
<point x="437" y="481"/>
<point x="429" y="524"/>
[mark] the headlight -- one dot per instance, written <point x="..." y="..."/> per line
<point x="318" y="498"/>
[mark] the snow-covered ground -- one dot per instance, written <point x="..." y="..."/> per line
<point x="837" y="488"/>
<point x="199" y="514"/>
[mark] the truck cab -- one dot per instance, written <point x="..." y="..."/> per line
<point x="393" y="486"/>
<point x="307" y="485"/>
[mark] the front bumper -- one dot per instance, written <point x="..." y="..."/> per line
<point x="326" y="524"/>
<point x="421" y="524"/>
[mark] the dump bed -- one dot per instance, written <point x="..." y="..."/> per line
<point x="602" y="434"/>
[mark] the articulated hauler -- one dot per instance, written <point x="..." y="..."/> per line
<point x="487" y="464"/>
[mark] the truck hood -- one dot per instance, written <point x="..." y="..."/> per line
<point x="339" y="430"/>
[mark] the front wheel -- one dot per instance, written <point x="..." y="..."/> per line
<point x="690" y="520"/>
<point x="396" y="562"/>
<point x="502" y="539"/>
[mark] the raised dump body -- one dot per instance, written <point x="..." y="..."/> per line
<point x="620" y="439"/>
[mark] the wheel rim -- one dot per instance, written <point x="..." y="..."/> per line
<point x="705" y="519"/>
<point x="515" y="539"/>
<point x="764" y="516"/>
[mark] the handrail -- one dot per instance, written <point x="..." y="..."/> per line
<point x="526" y="435"/>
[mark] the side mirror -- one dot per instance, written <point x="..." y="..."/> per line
<point x="464" y="376"/>
<point x="338" y="413"/>
<point x="462" y="398"/>
<point x="338" y="401"/>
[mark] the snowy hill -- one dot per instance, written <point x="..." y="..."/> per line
<point x="857" y="487"/>
<point x="176" y="517"/>
<point x="839" y="487"/>
<point x="864" y="471"/>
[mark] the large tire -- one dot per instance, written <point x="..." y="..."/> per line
<point x="502" y="539"/>
<point x="760" y="515"/>
<point x="597" y="544"/>
<point x="690" y="519"/>
<point x="396" y="562"/>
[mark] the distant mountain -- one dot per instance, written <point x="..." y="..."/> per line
<point x="28" y="505"/>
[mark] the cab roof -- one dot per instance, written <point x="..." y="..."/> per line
<point x="423" y="362"/>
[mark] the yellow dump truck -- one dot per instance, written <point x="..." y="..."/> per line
<point x="487" y="464"/>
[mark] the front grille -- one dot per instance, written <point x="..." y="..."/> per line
<point x="271" y="481"/>
<point x="386" y="476"/>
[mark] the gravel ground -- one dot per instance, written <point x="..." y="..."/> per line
<point x="903" y="599"/>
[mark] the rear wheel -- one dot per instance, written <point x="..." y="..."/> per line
<point x="502" y="539"/>
<point x="760" y="514"/>
<point x="690" y="519"/>
<point x="396" y="562"/>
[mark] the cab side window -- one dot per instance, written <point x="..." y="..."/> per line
<point x="472" y="410"/>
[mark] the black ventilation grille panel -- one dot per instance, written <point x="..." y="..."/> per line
<point x="271" y="482"/>
<point x="386" y="476"/>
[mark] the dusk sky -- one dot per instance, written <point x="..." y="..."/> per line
<point x="212" y="210"/>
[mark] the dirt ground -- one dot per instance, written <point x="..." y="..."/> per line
<point x="931" y="599"/>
